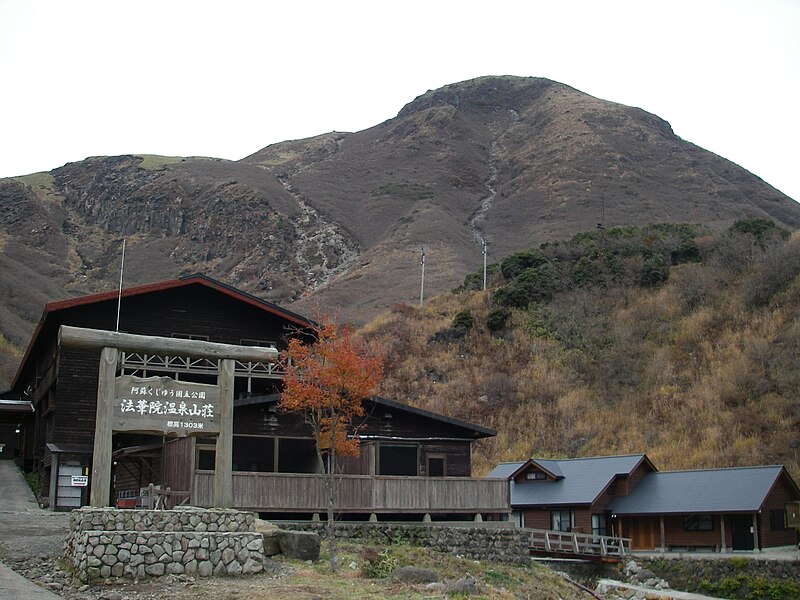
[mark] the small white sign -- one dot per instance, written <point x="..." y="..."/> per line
<point x="80" y="480"/>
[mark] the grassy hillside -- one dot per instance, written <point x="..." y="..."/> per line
<point x="668" y="339"/>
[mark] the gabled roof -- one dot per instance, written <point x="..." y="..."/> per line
<point x="183" y="281"/>
<point x="581" y="480"/>
<point x="52" y="308"/>
<point x="742" y="489"/>
<point x="513" y="469"/>
<point x="477" y="429"/>
<point x="474" y="431"/>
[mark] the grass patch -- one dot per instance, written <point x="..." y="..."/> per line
<point x="365" y="572"/>
<point x="153" y="162"/>
<point x="34" y="481"/>
<point x="43" y="180"/>
<point x="406" y="191"/>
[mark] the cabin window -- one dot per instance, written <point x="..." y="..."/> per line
<point x="206" y="457"/>
<point x="599" y="526"/>
<point x="256" y="454"/>
<point x="777" y="520"/>
<point x="702" y="522"/>
<point x="437" y="465"/>
<point x="398" y="459"/>
<point x="259" y="343"/>
<point x="562" y="520"/>
<point x="535" y="476"/>
<point x="297" y="455"/>
<point x="190" y="336"/>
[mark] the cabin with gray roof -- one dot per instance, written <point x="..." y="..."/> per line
<point x="742" y="508"/>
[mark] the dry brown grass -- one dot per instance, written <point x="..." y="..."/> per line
<point x="709" y="384"/>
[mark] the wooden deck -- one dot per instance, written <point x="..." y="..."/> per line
<point x="578" y="545"/>
<point x="283" y="492"/>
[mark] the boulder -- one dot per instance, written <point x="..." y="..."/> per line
<point x="464" y="587"/>
<point x="272" y="544"/>
<point x="300" y="545"/>
<point x="414" y="575"/>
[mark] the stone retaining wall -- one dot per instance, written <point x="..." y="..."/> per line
<point x="108" y="542"/>
<point x="506" y="545"/>
<point x="734" y="576"/>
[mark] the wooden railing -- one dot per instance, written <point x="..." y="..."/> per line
<point x="284" y="492"/>
<point x="579" y="544"/>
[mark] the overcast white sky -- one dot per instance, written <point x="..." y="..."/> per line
<point x="226" y="78"/>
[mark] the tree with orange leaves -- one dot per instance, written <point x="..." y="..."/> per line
<point x="327" y="381"/>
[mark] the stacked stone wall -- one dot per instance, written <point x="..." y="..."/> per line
<point x="107" y="542"/>
<point x="506" y="545"/>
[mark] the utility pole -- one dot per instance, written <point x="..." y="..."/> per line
<point x="422" y="279"/>
<point x="485" y="252"/>
<point x="121" y="271"/>
<point x="601" y="225"/>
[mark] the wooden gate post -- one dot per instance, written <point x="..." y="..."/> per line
<point x="101" y="456"/>
<point x="223" y="465"/>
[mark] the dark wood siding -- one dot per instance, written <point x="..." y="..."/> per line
<point x="780" y="495"/>
<point x="76" y="405"/>
<point x="179" y="463"/>
<point x="676" y="535"/>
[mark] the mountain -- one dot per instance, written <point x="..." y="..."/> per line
<point x="336" y="222"/>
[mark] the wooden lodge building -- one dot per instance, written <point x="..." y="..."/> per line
<point x="742" y="508"/>
<point x="412" y="462"/>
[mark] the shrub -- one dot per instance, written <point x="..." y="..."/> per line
<point x="654" y="271"/>
<point x="464" y="319"/>
<point x="513" y="265"/>
<point x="497" y="318"/>
<point x="776" y="272"/>
<point x="474" y="281"/>
<point x="763" y="230"/>
<point x="535" y="284"/>
<point x="379" y="565"/>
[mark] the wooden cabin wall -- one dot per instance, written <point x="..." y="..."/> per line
<point x="458" y="457"/>
<point x="76" y="396"/>
<point x="779" y="496"/>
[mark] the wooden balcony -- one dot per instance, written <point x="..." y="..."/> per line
<point x="284" y="492"/>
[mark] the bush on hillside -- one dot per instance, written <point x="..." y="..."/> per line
<point x="497" y="318"/>
<point x="512" y="266"/>
<point x="763" y="230"/>
<point x="464" y="319"/>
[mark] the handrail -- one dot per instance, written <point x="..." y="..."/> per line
<point x="586" y="544"/>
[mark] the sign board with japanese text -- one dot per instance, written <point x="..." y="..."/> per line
<point x="164" y="405"/>
<point x="79" y="480"/>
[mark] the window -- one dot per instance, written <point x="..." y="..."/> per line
<point x="398" y="459"/>
<point x="259" y="343"/>
<point x="562" y="520"/>
<point x="206" y="457"/>
<point x="255" y="454"/>
<point x="534" y="475"/>
<point x="599" y="526"/>
<point x="702" y="522"/>
<point x="437" y="465"/>
<point x="297" y="455"/>
<point x="777" y="520"/>
<point x="190" y="336"/>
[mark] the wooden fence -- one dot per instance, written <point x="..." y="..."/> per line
<point x="283" y="492"/>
